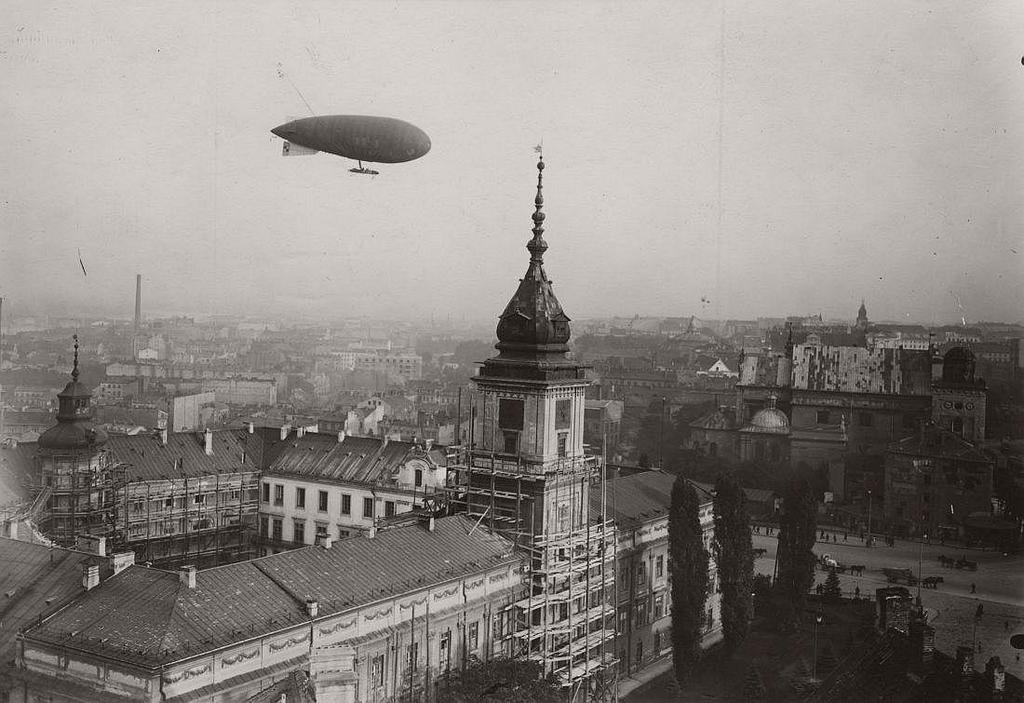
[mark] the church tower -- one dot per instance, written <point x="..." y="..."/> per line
<point x="75" y="469"/>
<point x="525" y="475"/>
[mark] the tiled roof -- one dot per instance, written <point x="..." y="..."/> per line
<point x="148" y="617"/>
<point x="35" y="580"/>
<point x="356" y="459"/>
<point x="639" y="498"/>
<point x="150" y="460"/>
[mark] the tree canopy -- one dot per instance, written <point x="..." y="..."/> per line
<point x="797" y="527"/>
<point x="503" y="680"/>
<point x="734" y="559"/>
<point x="689" y="571"/>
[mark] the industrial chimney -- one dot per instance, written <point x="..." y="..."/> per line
<point x="138" y="301"/>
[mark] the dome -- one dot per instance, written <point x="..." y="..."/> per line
<point x="769" y="420"/>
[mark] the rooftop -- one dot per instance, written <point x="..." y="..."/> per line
<point x="167" y="621"/>
<point x="639" y="498"/>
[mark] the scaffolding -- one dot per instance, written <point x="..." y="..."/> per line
<point x="81" y="489"/>
<point x="566" y="619"/>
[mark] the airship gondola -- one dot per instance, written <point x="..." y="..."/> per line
<point x="383" y="140"/>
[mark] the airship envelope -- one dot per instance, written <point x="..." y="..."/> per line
<point x="382" y="140"/>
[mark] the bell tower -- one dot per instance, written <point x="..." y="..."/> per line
<point x="526" y="475"/>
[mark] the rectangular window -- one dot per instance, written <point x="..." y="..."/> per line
<point x="563" y="443"/>
<point x="510" y="414"/>
<point x="343" y="532"/>
<point x="444" y="651"/>
<point x="419" y="477"/>
<point x="266" y="492"/>
<point x="278" y="494"/>
<point x="659" y="566"/>
<point x="278" y="533"/>
<point x="474" y="635"/>
<point x="377" y="671"/>
<point x="300" y="497"/>
<point x="346" y="504"/>
<point x="389" y="508"/>
<point x="368" y="507"/>
<point x="323" y="502"/>
<point x="321" y="529"/>
<point x="866" y="419"/>
<point x="822" y="417"/>
<point x="657" y="642"/>
<point x="510" y="442"/>
<point x="563" y="414"/>
<point x="412" y="654"/>
<point x="299" y="531"/>
<point x="659" y="608"/>
<point x="640" y="651"/>
<point x="265" y="527"/>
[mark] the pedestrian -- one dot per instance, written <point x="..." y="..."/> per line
<point x="844" y="538"/>
<point x="856" y="592"/>
<point x="973" y="589"/>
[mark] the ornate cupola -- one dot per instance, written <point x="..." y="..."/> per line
<point x="74" y="428"/>
<point x="533" y="325"/>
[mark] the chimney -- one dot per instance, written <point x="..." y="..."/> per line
<point x="429" y="444"/>
<point x="138" y="301"/>
<point x="312" y="607"/>
<point x="430" y="524"/>
<point x="252" y="428"/>
<point x="163" y="437"/>
<point x="372" y="532"/>
<point x="187" y="575"/>
<point x="325" y="541"/>
<point x="922" y="642"/>
<point x="90" y="576"/>
<point x="284" y="432"/>
<point x="341" y="436"/>
<point x="964" y="664"/>
<point x="300" y="432"/>
<point x="121" y="561"/>
<point x="208" y="437"/>
<point x="995" y="678"/>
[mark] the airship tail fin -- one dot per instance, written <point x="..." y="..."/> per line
<point x="290" y="149"/>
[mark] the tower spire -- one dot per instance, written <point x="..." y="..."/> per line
<point x="74" y="369"/>
<point x="537" y="245"/>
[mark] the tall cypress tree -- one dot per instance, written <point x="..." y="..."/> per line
<point x="689" y="577"/>
<point x="798" y="526"/>
<point x="734" y="559"/>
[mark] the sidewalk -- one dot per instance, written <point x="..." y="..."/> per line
<point x="628" y="684"/>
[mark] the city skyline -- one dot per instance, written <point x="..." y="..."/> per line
<point x="827" y="163"/>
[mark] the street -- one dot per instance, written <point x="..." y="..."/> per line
<point x="999" y="584"/>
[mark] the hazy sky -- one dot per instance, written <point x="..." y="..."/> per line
<point x="848" y="149"/>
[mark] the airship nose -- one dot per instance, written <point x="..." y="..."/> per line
<point x="284" y="131"/>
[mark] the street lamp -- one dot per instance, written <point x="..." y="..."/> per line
<point x="920" y="559"/>
<point x="814" y="665"/>
<point x="868" y="543"/>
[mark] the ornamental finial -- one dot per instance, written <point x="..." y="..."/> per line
<point x="74" y="369"/>
<point x="537" y="245"/>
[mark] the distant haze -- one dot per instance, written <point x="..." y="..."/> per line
<point x="847" y="150"/>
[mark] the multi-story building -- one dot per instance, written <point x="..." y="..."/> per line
<point x="639" y="505"/>
<point x="317" y="485"/>
<point x="525" y="475"/>
<point x="375" y="618"/>
<point x="935" y="481"/>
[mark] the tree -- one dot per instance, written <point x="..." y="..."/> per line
<point x="689" y="574"/>
<point x="503" y="680"/>
<point x="832" y="591"/>
<point x="797" y="528"/>
<point x="734" y="559"/>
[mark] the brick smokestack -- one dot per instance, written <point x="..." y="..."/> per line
<point x="138" y="301"/>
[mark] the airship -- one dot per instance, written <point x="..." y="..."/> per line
<point x="382" y="140"/>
